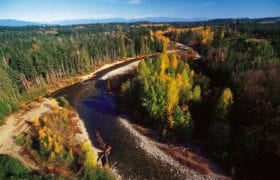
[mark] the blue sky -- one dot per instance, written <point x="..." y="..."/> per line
<point x="54" y="10"/>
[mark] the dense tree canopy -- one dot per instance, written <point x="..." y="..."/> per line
<point x="238" y="111"/>
<point x="229" y="99"/>
<point x="33" y="57"/>
<point x="164" y="89"/>
<point x="244" y="57"/>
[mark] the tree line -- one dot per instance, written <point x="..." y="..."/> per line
<point x="245" y="58"/>
<point x="237" y="115"/>
<point x="33" y="57"/>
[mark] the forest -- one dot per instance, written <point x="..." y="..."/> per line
<point x="228" y="100"/>
<point x="33" y="58"/>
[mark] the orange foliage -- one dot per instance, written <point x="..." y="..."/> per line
<point x="56" y="131"/>
<point x="164" y="63"/>
<point x="35" y="46"/>
<point x="172" y="95"/>
<point x="165" y="41"/>
<point x="180" y="81"/>
<point x="206" y="33"/>
<point x="174" y="61"/>
<point x="36" y="122"/>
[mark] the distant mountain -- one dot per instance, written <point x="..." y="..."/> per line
<point x="89" y="21"/>
<point x="167" y="19"/>
<point x="228" y="21"/>
<point x="171" y="19"/>
<point x="126" y="20"/>
<point x="17" y="23"/>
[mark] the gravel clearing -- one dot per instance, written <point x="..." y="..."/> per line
<point x="151" y="147"/>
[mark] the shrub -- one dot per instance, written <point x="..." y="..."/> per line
<point x="24" y="139"/>
<point x="183" y="122"/>
<point x="97" y="173"/>
<point x="3" y="110"/>
<point x="10" y="167"/>
<point x="63" y="102"/>
<point x="90" y="169"/>
<point x="31" y="95"/>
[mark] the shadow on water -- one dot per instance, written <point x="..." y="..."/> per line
<point x="97" y="111"/>
<point x="130" y="160"/>
<point x="102" y="103"/>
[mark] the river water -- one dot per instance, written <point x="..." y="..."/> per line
<point x="98" y="112"/>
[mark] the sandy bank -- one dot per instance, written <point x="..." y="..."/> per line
<point x="80" y="78"/>
<point x="17" y="123"/>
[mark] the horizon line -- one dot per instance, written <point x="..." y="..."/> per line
<point x="135" y="18"/>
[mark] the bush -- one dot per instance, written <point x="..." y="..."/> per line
<point x="3" y="110"/>
<point x="30" y="96"/>
<point x="63" y="102"/>
<point x="183" y="123"/>
<point x="24" y="139"/>
<point x="10" y="167"/>
<point x="97" y="173"/>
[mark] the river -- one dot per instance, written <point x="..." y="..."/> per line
<point x="128" y="157"/>
<point x="98" y="112"/>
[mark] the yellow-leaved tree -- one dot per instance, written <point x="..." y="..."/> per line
<point x="165" y="41"/>
<point x="186" y="80"/>
<point x="164" y="63"/>
<point x="174" y="61"/>
<point x="224" y="105"/>
<point x="172" y="100"/>
<point x="90" y="160"/>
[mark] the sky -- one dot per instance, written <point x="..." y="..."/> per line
<point x="56" y="10"/>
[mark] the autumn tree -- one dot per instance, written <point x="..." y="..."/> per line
<point x="220" y="130"/>
<point x="224" y="105"/>
<point x="165" y="89"/>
